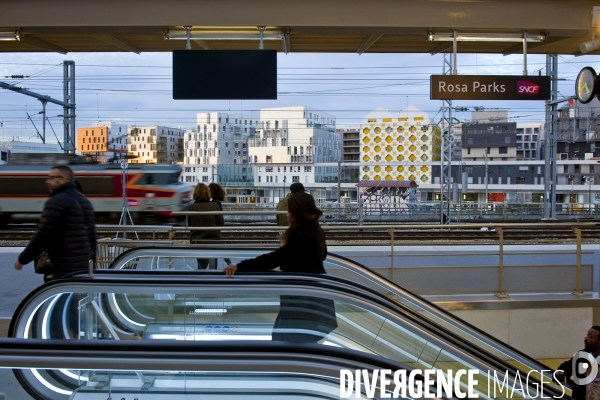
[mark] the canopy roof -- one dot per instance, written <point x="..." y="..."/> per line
<point x="346" y="26"/>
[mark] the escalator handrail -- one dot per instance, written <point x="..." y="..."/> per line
<point x="18" y="353"/>
<point x="189" y="356"/>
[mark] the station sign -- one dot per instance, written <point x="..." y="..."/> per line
<point x="490" y="87"/>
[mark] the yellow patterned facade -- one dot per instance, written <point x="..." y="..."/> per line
<point x="394" y="143"/>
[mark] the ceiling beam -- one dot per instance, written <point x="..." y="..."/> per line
<point x="443" y="47"/>
<point x="368" y="42"/>
<point x="35" y="42"/>
<point x="204" y="44"/>
<point x="116" y="41"/>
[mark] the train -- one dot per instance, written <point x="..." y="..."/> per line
<point x="153" y="192"/>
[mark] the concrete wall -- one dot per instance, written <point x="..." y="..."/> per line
<point x="542" y="333"/>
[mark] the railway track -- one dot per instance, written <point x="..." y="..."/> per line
<point x="511" y="235"/>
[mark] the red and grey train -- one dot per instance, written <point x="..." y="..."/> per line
<point x="153" y="191"/>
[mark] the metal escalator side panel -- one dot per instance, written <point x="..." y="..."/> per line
<point x="365" y="322"/>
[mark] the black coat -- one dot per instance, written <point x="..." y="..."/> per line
<point x="67" y="231"/>
<point x="301" y="319"/>
<point x="304" y="251"/>
<point x="578" y="390"/>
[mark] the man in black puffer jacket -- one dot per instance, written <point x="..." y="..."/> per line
<point x="67" y="229"/>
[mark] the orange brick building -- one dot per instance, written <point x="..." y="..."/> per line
<point x="93" y="141"/>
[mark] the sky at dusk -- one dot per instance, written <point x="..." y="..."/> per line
<point x="137" y="89"/>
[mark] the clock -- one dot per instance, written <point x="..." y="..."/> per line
<point x="586" y="86"/>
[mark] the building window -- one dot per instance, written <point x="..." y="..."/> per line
<point x="503" y="150"/>
<point x="295" y="179"/>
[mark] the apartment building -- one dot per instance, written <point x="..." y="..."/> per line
<point x="105" y="141"/>
<point x="155" y="145"/>
<point x="391" y="142"/>
<point x="350" y="143"/>
<point x="295" y="135"/>
<point x="219" y="138"/>
<point x="528" y="140"/>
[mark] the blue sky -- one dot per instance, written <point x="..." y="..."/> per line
<point x="136" y="89"/>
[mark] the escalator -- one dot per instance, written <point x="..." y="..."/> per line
<point x="133" y="306"/>
<point x="182" y="258"/>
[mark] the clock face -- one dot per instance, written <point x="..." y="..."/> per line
<point x="585" y="85"/>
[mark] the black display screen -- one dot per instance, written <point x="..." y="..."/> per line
<point x="225" y="75"/>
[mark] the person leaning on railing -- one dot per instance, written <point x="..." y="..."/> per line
<point x="217" y="194"/>
<point x="303" y="250"/>
<point x="202" y="203"/>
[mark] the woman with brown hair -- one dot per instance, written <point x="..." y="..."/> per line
<point x="202" y="203"/>
<point x="303" y="250"/>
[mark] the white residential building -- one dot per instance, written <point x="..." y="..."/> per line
<point x="155" y="145"/>
<point x="295" y="135"/>
<point x="220" y="138"/>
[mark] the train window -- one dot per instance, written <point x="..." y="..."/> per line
<point x="158" y="179"/>
<point x="3" y="156"/>
<point x="23" y="185"/>
<point x="97" y="185"/>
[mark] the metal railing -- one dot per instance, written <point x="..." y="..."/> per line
<point x="109" y="249"/>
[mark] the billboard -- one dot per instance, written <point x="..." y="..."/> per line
<point x="225" y="75"/>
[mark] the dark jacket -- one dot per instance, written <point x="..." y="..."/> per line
<point x="283" y="206"/>
<point x="304" y="251"/>
<point x="219" y="203"/>
<point x="578" y="390"/>
<point x="301" y="318"/>
<point x="67" y="231"/>
<point x="205" y="221"/>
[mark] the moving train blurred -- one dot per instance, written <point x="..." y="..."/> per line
<point x="153" y="191"/>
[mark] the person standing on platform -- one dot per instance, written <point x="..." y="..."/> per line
<point x="591" y="391"/>
<point x="303" y="250"/>
<point x="202" y="203"/>
<point x="217" y="194"/>
<point x="283" y="204"/>
<point x="67" y="228"/>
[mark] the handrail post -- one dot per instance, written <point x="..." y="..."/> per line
<point x="578" y="292"/>
<point x="501" y="293"/>
<point x="391" y="232"/>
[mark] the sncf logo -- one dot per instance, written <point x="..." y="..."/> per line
<point x="524" y="87"/>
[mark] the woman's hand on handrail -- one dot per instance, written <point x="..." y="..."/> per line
<point x="230" y="269"/>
